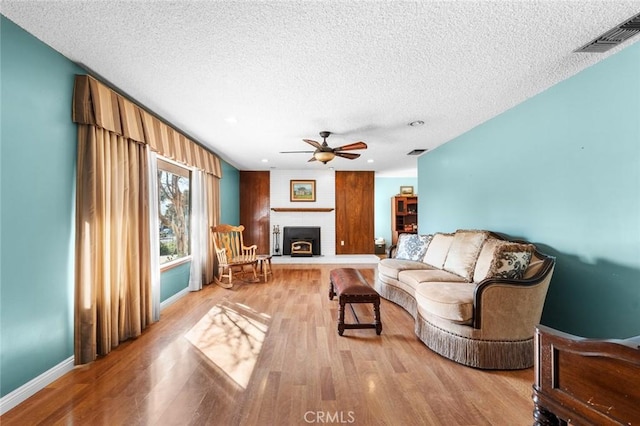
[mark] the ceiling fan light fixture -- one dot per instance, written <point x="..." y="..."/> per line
<point x="324" y="153"/>
<point x="324" y="156"/>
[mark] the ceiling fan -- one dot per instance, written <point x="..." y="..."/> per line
<point x="324" y="153"/>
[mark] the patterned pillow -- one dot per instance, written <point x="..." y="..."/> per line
<point x="510" y="261"/>
<point x="412" y="246"/>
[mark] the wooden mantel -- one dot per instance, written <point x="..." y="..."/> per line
<point x="302" y="209"/>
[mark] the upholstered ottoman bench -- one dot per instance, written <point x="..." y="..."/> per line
<point x="351" y="287"/>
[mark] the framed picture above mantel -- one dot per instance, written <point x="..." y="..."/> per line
<point x="303" y="190"/>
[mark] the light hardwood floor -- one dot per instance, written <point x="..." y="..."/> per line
<point x="303" y="374"/>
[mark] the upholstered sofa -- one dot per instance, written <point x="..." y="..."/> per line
<point x="476" y="296"/>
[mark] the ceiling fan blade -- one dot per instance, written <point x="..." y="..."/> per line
<point x="312" y="159"/>
<point x="351" y="146"/>
<point x="347" y="155"/>
<point x="313" y="143"/>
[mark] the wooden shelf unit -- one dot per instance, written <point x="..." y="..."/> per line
<point x="404" y="216"/>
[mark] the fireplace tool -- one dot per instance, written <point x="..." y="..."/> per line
<point x="276" y="240"/>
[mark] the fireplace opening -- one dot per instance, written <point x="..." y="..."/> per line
<point x="302" y="247"/>
<point x="306" y="240"/>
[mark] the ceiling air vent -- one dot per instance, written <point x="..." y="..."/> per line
<point x="416" y="152"/>
<point x="613" y="37"/>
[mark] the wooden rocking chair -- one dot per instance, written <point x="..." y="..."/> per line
<point x="232" y="254"/>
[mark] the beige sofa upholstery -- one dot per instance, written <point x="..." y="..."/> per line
<point x="475" y="295"/>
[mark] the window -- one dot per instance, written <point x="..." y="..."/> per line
<point x="174" y="211"/>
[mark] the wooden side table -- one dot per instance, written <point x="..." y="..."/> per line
<point x="264" y="265"/>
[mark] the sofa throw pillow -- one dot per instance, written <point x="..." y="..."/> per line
<point x="438" y="249"/>
<point x="463" y="253"/>
<point x="412" y="246"/>
<point x="511" y="261"/>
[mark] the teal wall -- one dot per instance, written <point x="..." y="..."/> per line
<point x="385" y="188"/>
<point x="38" y="156"/>
<point x="174" y="280"/>
<point x="561" y="170"/>
<point x="229" y="194"/>
<point x="37" y="209"/>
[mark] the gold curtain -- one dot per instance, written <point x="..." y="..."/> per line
<point x="113" y="284"/>
<point x="96" y="104"/>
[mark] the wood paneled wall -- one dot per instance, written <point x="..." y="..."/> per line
<point x="354" y="208"/>
<point x="355" y="212"/>
<point x="255" y="209"/>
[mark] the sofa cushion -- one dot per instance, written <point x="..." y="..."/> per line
<point x="415" y="277"/>
<point x="437" y="251"/>
<point x="452" y="301"/>
<point x="485" y="258"/>
<point x="391" y="267"/>
<point x="463" y="253"/>
<point x="511" y="260"/>
<point x="412" y="246"/>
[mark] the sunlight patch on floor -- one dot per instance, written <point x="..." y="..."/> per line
<point x="231" y="336"/>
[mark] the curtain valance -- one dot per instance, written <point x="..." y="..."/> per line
<point x="98" y="105"/>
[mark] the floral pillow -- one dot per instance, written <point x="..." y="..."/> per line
<point x="412" y="246"/>
<point x="511" y="261"/>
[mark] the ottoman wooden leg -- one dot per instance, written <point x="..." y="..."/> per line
<point x="341" y="317"/>
<point x="331" y="290"/>
<point x="376" y="313"/>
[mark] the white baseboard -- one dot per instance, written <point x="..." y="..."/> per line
<point x="35" y="385"/>
<point x="329" y="259"/>
<point x="174" y="298"/>
<point x="30" y="388"/>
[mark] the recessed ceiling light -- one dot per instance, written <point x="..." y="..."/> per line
<point x="231" y="120"/>
<point x="417" y="123"/>
<point x="265" y="160"/>
<point x="370" y="160"/>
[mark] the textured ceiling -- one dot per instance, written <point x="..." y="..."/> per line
<point x="251" y="79"/>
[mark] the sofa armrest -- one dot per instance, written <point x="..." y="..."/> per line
<point x="391" y="251"/>
<point x="513" y="305"/>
